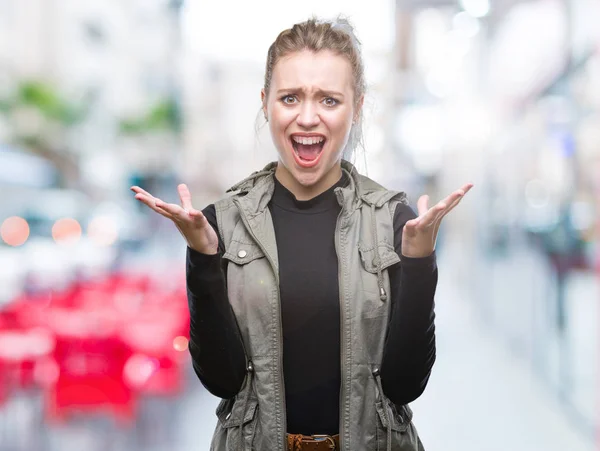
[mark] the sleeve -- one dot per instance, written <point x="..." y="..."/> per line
<point x="410" y="350"/>
<point x="216" y="347"/>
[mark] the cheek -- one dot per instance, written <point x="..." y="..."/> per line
<point x="339" y="125"/>
<point x="278" y="125"/>
<point x="280" y="120"/>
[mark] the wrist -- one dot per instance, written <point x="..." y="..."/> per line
<point x="415" y="255"/>
<point x="429" y="261"/>
<point x="205" y="250"/>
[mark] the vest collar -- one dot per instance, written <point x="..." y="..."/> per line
<point x="258" y="189"/>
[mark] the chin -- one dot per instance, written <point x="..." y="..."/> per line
<point x="307" y="179"/>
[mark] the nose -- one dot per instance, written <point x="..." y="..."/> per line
<point x="308" y="117"/>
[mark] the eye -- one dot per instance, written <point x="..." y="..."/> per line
<point x="330" y="101"/>
<point x="288" y="99"/>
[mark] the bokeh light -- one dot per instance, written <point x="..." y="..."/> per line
<point x="46" y="372"/>
<point x="476" y="8"/>
<point x="14" y="231"/>
<point x="138" y="369"/>
<point x="180" y="343"/>
<point x="66" y="229"/>
<point x="103" y="231"/>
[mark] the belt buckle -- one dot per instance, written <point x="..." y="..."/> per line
<point x="328" y="438"/>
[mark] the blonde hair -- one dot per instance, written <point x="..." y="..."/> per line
<point x="316" y="35"/>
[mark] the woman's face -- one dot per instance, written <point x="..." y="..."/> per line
<point x="310" y="108"/>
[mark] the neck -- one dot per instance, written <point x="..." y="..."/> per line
<point x="307" y="192"/>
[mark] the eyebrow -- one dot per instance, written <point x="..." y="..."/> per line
<point x="319" y="91"/>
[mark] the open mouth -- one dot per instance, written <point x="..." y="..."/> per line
<point x="308" y="149"/>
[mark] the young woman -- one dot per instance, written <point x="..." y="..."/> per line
<point x="311" y="288"/>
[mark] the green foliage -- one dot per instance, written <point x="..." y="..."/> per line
<point x="163" y="116"/>
<point x="46" y="100"/>
<point x="4" y="106"/>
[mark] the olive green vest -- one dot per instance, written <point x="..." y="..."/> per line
<point x="255" y="419"/>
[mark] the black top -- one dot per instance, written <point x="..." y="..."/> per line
<point x="310" y="310"/>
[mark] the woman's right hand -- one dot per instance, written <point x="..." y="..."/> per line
<point x="191" y="223"/>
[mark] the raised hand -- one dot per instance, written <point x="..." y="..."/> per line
<point x="420" y="234"/>
<point x="191" y="223"/>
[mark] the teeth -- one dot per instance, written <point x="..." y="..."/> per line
<point x="308" y="141"/>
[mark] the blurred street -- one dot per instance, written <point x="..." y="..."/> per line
<point x="100" y="95"/>
<point x="483" y="394"/>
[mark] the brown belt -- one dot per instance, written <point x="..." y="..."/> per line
<point x="299" y="442"/>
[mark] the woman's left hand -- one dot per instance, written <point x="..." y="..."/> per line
<point x="420" y="234"/>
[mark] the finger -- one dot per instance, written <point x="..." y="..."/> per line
<point x="448" y="203"/>
<point x="185" y="197"/>
<point x="137" y="189"/>
<point x="458" y="194"/>
<point x="146" y="199"/>
<point x="173" y="209"/>
<point x="452" y="197"/>
<point x="151" y="203"/>
<point x="467" y="187"/>
<point x="438" y="220"/>
<point x="410" y="226"/>
<point x="449" y="209"/>
<point x="432" y="215"/>
<point x="422" y="204"/>
<point x="197" y="216"/>
<point x="457" y="197"/>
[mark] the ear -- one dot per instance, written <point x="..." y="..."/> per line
<point x="263" y="100"/>
<point x="358" y="109"/>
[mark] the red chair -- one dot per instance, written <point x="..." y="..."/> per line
<point x="20" y="352"/>
<point x="90" y="359"/>
<point x="155" y="366"/>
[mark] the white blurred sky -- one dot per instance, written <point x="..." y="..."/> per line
<point x="244" y="29"/>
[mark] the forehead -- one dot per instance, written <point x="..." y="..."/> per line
<point x="323" y="70"/>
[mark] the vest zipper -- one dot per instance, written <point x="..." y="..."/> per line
<point x="342" y="401"/>
<point x="283" y="441"/>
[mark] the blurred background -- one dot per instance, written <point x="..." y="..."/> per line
<point x="100" y="95"/>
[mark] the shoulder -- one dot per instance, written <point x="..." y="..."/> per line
<point x="210" y="212"/>
<point x="244" y="186"/>
<point x="403" y="210"/>
<point x="402" y="214"/>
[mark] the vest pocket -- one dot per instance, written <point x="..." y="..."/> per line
<point x="368" y="257"/>
<point x="395" y="430"/>
<point x="400" y="417"/>
<point x="242" y="253"/>
<point x="238" y="425"/>
<point x="375" y="279"/>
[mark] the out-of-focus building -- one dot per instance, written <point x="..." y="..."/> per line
<point x="115" y="59"/>
<point x="510" y="89"/>
<point x="225" y="135"/>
